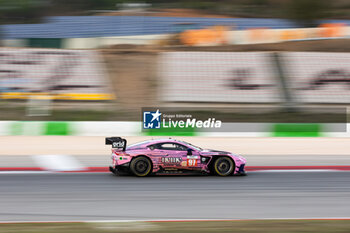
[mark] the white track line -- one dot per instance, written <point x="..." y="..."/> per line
<point x="58" y="162"/>
<point x="25" y="172"/>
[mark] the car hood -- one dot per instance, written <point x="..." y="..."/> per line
<point x="219" y="152"/>
<point x="214" y="152"/>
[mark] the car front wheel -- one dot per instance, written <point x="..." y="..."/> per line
<point x="223" y="166"/>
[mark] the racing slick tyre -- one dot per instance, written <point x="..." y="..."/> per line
<point x="223" y="166"/>
<point x="141" y="166"/>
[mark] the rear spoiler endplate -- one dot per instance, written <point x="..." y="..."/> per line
<point x="116" y="142"/>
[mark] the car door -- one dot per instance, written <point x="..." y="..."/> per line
<point x="191" y="159"/>
<point x="171" y="155"/>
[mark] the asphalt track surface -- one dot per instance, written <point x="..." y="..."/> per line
<point x="103" y="196"/>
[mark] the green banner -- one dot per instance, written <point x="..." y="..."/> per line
<point x="57" y="128"/>
<point x="296" y="130"/>
<point x="173" y="131"/>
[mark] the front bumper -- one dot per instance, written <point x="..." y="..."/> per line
<point x="241" y="171"/>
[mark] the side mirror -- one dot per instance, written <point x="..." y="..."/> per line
<point x="189" y="151"/>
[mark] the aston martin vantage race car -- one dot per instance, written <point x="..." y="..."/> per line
<point x="170" y="156"/>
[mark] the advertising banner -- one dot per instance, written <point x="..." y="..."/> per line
<point x="218" y="77"/>
<point x="57" y="74"/>
<point x="315" y="77"/>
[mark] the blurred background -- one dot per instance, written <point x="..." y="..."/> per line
<point x="93" y="60"/>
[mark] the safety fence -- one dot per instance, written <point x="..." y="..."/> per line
<point x="255" y="77"/>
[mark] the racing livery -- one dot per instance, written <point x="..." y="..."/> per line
<point x="170" y="156"/>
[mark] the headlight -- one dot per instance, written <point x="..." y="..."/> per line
<point x="241" y="158"/>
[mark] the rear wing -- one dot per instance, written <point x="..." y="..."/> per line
<point x="116" y="142"/>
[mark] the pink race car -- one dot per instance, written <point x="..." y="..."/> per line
<point x="170" y="156"/>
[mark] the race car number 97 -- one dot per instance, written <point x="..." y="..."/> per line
<point x="191" y="162"/>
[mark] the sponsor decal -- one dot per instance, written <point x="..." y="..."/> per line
<point x="192" y="157"/>
<point x="191" y="162"/>
<point x="171" y="160"/>
<point x="184" y="163"/>
<point x="119" y="144"/>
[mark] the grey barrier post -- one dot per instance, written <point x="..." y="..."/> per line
<point x="289" y="103"/>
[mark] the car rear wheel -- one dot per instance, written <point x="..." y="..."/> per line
<point x="223" y="166"/>
<point x="141" y="166"/>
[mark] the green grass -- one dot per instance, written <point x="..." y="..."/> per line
<point x="249" y="226"/>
